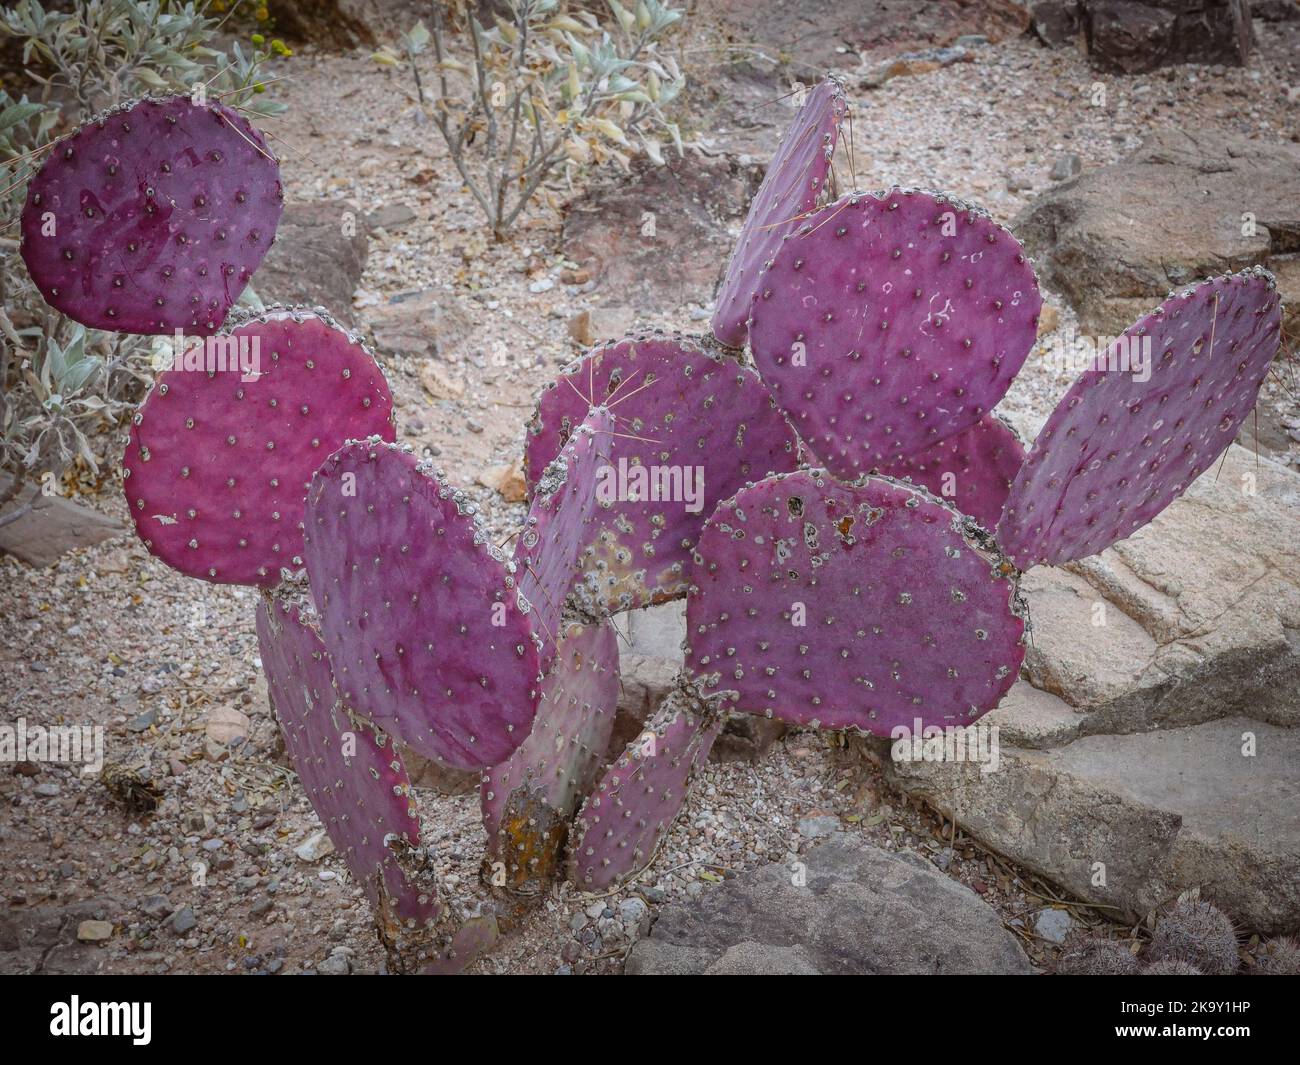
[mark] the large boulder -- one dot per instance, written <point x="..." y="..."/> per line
<point x="851" y="909"/>
<point x="1153" y="742"/>
<point x="1188" y="204"/>
<point x="1131" y="37"/>
<point x="317" y="258"/>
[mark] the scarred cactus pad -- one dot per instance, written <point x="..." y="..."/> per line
<point x="1118" y="450"/>
<point x="351" y="772"/>
<point x="887" y="323"/>
<point x="693" y="427"/>
<point x="527" y="801"/>
<point x="972" y="470"/>
<point x="795" y="183"/>
<point x="218" y="462"/>
<point x="418" y="611"/>
<point x="641" y="794"/>
<point x="152" y="217"/>
<point x="845" y="606"/>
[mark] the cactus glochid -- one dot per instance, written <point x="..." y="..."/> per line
<point x="840" y="505"/>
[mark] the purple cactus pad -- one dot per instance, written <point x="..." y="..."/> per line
<point x="890" y="322"/>
<point x="795" y="183"/>
<point x="1117" y="450"/>
<point x="352" y="772"/>
<point x="852" y="606"/>
<point x="972" y="470"/>
<point x="688" y="417"/>
<point x="419" y="613"/>
<point x="561" y="522"/>
<point x="641" y="794"/>
<point x="218" y="461"/>
<point x="527" y="801"/>
<point x="152" y="217"/>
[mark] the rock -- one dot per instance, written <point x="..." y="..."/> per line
<point x="1049" y="320"/>
<point x="1053" y="925"/>
<point x="426" y="773"/>
<point x="629" y="235"/>
<point x="183" y="920"/>
<point x="334" y="965"/>
<point x="155" y="906"/>
<point x="590" y="327"/>
<point x="542" y="284"/>
<point x="818" y="827"/>
<point x="1119" y="238"/>
<point x="859" y="910"/>
<point x="439" y="382"/>
<point x="317" y="258"/>
<point x="1155" y="752"/>
<point x="1126" y="37"/>
<point x="225" y="725"/>
<point x="1066" y="167"/>
<point x="507" y="481"/>
<point x="420" y="324"/>
<point x="262" y="906"/>
<point x="52" y="527"/>
<point x="95" y="931"/>
<point x="1057" y="23"/>
<point x="48" y="790"/>
<point x="391" y="216"/>
<point x="632" y="912"/>
<point x="142" y="722"/>
<point x="214" y="751"/>
<point x="315" y="847"/>
<point x="913" y="63"/>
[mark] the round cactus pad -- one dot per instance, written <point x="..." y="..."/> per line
<point x="528" y="799"/>
<point x="222" y="451"/>
<point x="841" y="606"/>
<point x="351" y="772"/>
<point x="887" y="323"/>
<point x="1118" y="449"/>
<point x="794" y="184"/>
<point x="419" y="614"/>
<point x="693" y="427"/>
<point x="152" y="217"/>
<point x="972" y="470"/>
<point x="639" y="797"/>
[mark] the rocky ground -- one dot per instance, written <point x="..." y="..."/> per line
<point x="217" y="878"/>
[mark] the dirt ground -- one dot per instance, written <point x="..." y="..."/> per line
<point x="109" y="636"/>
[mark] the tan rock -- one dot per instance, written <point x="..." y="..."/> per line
<point x="225" y="724"/>
<point x="507" y="480"/>
<point x="95" y="931"/>
<point x="438" y="383"/>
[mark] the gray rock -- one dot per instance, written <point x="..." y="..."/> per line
<point x="1125" y="37"/>
<point x="1066" y="167"/>
<point x="314" y="261"/>
<point x="1053" y="925"/>
<point x="51" y="528"/>
<point x="48" y="790"/>
<point x="859" y="910"/>
<point x="183" y="920"/>
<point x="818" y="827"/>
<point x="142" y="722"/>
<point x="1088" y="246"/>
<point x="334" y="965"/>
<point x="155" y="906"/>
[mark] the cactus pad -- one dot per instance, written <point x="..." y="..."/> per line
<point x="528" y="799"/>
<point x="972" y="470"/>
<point x="351" y="772"/>
<point x="560" y="522"/>
<point x="887" y="323"/>
<point x="217" y="465"/>
<point x="841" y="606"/>
<point x="795" y="183"/>
<point x="1116" y="450"/>
<point x="152" y="217"/>
<point x="641" y="794"/>
<point x="419" y="612"/>
<point x="688" y="417"/>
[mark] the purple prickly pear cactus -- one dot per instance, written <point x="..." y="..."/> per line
<point x="795" y="183"/>
<point x="1118" y="449"/>
<point x="851" y="606"/>
<point x="887" y="323"/>
<point x="641" y="794"/>
<point x="152" y="217"/>
<point x="527" y="800"/>
<point x="972" y="470"/>
<point x="217" y="465"/>
<point x="694" y="426"/>
<point x="419" y="613"/>
<point x="561" y="521"/>
<point x="475" y="937"/>
<point x="351" y="772"/>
